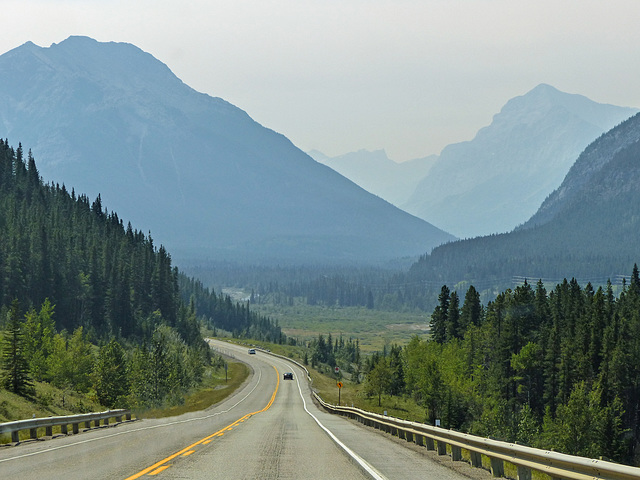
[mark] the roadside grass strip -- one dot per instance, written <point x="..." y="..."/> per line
<point x="164" y="464"/>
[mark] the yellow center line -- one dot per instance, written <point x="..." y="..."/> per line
<point x="156" y="467"/>
<point x="161" y="469"/>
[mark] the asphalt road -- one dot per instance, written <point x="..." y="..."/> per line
<point x="268" y="429"/>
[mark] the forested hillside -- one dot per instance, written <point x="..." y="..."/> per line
<point x="74" y="277"/>
<point x="587" y="229"/>
<point x="556" y="369"/>
<point x="197" y="171"/>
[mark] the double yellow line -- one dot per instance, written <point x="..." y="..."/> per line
<point x="163" y="464"/>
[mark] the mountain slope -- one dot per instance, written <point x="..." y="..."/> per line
<point x="592" y="162"/>
<point x="589" y="230"/>
<point x="207" y="180"/>
<point x="378" y="174"/>
<point x="497" y="180"/>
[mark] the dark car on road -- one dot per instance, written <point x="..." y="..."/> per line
<point x="288" y="376"/>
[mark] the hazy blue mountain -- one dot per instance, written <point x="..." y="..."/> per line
<point x="586" y="176"/>
<point x="378" y="174"/>
<point x="587" y="228"/>
<point x="207" y="180"/>
<point x="498" y="180"/>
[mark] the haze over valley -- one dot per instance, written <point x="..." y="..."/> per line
<point x="429" y="209"/>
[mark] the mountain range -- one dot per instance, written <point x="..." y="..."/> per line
<point x="586" y="228"/>
<point x="497" y="180"/>
<point x="377" y="173"/>
<point x="209" y="182"/>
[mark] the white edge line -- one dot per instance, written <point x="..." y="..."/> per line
<point x="368" y="468"/>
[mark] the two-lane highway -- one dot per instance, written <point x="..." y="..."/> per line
<point x="269" y="429"/>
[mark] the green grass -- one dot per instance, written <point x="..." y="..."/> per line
<point x="373" y="328"/>
<point x="48" y="401"/>
<point x="213" y="390"/>
<point x="51" y="401"/>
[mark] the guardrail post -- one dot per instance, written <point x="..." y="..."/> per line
<point x="15" y="437"/>
<point x="419" y="440"/>
<point x="497" y="467"/>
<point x="63" y="429"/>
<point x="476" y="459"/>
<point x="456" y="453"/>
<point x="119" y="419"/>
<point x="106" y="421"/>
<point x="33" y="433"/>
<point x="409" y="436"/>
<point x="48" y="431"/>
<point x="401" y="434"/>
<point x="429" y="443"/>
<point x="75" y="427"/>
<point x="524" y="473"/>
<point x="442" y="448"/>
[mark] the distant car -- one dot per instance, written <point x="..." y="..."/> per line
<point x="252" y="351"/>
<point x="288" y="376"/>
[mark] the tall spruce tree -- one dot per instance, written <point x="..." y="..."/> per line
<point x="438" y="323"/>
<point x="16" y="377"/>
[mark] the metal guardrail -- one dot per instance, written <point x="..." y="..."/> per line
<point x="33" y="424"/>
<point x="556" y="465"/>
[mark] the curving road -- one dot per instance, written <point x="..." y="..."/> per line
<point x="268" y="429"/>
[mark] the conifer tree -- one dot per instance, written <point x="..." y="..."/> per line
<point x="111" y="380"/>
<point x="453" y="317"/>
<point x="438" y="323"/>
<point x="16" y="376"/>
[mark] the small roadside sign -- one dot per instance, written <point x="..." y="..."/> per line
<point x="339" y="384"/>
<point x="337" y="369"/>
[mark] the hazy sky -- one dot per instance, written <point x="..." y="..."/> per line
<point x="409" y="76"/>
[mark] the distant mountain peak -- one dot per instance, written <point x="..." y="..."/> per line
<point x="496" y="181"/>
<point x="206" y="179"/>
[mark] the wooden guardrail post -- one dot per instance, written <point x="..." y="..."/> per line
<point x="442" y="448"/>
<point x="476" y="459"/>
<point x="429" y="443"/>
<point x="497" y="467"/>
<point x="524" y="473"/>
<point x="456" y="453"/>
<point x="409" y="436"/>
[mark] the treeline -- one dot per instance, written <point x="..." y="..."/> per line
<point x="577" y="239"/>
<point x="119" y="373"/>
<point x="218" y="311"/>
<point x="101" y="276"/>
<point x="329" y="285"/>
<point x="104" y="281"/>
<point x="342" y="353"/>
<point x="556" y="370"/>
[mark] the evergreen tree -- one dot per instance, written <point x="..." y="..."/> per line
<point x="453" y="317"/>
<point x="438" y="323"/>
<point x="471" y="313"/>
<point x="15" y="365"/>
<point x="111" y="379"/>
